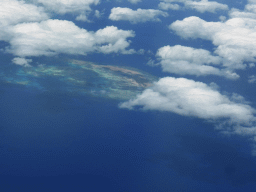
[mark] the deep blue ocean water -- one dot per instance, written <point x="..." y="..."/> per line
<point x="54" y="141"/>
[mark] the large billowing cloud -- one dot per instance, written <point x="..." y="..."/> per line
<point x="51" y="37"/>
<point x="189" y="61"/>
<point x="235" y="39"/>
<point x="190" y="98"/>
<point x="198" y="5"/>
<point x="140" y="15"/>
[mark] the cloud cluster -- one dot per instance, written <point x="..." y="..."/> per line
<point x="235" y="39"/>
<point x="30" y="32"/>
<point x="189" y="61"/>
<point x="51" y="37"/>
<point x="190" y="98"/>
<point x="140" y="15"/>
<point x="200" y="6"/>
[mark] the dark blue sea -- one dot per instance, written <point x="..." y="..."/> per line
<point x="55" y="141"/>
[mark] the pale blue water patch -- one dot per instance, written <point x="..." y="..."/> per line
<point x="84" y="78"/>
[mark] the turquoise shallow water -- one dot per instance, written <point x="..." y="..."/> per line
<point x="83" y="78"/>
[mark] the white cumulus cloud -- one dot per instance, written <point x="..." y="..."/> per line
<point x="190" y="98"/>
<point x="235" y="38"/>
<point x="68" y="6"/>
<point x="167" y="6"/>
<point x="198" y="5"/>
<point x="231" y="114"/>
<point x="140" y="15"/>
<point x="51" y="37"/>
<point x="81" y="8"/>
<point x="190" y="61"/>
<point x="252" y="79"/>
<point x="205" y="6"/>
<point x="251" y="6"/>
<point x="22" y="61"/>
